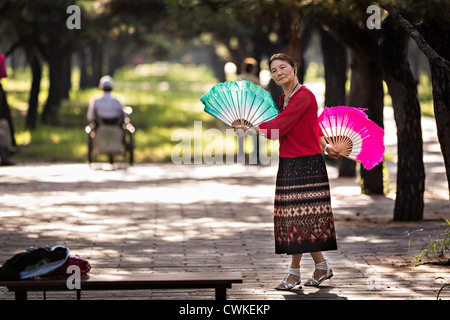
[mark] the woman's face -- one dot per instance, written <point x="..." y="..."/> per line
<point x="282" y="72"/>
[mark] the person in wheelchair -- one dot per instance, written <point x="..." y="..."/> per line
<point x="104" y="114"/>
<point x="106" y="109"/>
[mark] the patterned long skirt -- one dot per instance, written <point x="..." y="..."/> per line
<point x="302" y="213"/>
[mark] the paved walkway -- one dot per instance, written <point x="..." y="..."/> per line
<point x="165" y="217"/>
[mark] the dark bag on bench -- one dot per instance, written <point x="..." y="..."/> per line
<point x="50" y="261"/>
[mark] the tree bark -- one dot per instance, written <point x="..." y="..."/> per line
<point x="440" y="81"/>
<point x="96" y="49"/>
<point x="409" y="202"/>
<point x="33" y="100"/>
<point x="372" y="99"/>
<point x="57" y="56"/>
<point x="335" y="64"/>
<point x="366" y="91"/>
<point x="84" y="75"/>
<point x="347" y="167"/>
<point x="67" y="74"/>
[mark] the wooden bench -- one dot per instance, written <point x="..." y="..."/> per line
<point x="220" y="281"/>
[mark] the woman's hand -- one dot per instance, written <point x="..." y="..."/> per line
<point x="332" y="152"/>
<point x="242" y="131"/>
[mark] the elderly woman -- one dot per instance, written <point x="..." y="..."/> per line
<point x="302" y="213"/>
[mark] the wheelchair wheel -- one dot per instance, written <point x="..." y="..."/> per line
<point x="129" y="147"/>
<point x="89" y="154"/>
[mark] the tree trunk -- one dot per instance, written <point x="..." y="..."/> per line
<point x="441" y="98"/>
<point x="371" y="91"/>
<point x="96" y="62"/>
<point x="67" y="81"/>
<point x="57" y="56"/>
<point x="33" y="100"/>
<point x="440" y="80"/>
<point x="347" y="167"/>
<point x="54" y="92"/>
<point x="335" y="64"/>
<point x="84" y="75"/>
<point x="409" y="202"/>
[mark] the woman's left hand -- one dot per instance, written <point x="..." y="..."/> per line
<point x="333" y="153"/>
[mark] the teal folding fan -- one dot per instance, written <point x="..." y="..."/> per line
<point x="239" y="103"/>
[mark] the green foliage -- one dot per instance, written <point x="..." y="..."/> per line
<point x="437" y="247"/>
<point x="442" y="288"/>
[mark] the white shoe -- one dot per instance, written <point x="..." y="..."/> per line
<point x="284" y="285"/>
<point x="320" y="266"/>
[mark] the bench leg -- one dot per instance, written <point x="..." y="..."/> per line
<point x="221" y="294"/>
<point x="20" y="295"/>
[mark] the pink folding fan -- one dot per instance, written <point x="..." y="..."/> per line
<point x="356" y="137"/>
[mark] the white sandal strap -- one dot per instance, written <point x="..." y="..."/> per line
<point x="324" y="265"/>
<point x="295" y="272"/>
<point x="313" y="282"/>
<point x="288" y="285"/>
<point x="321" y="266"/>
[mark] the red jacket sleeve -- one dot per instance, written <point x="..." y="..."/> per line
<point x="287" y="119"/>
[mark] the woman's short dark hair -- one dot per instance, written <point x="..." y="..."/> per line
<point x="283" y="57"/>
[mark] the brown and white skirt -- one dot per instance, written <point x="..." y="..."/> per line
<point x="302" y="214"/>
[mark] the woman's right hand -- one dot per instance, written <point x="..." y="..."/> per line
<point x="240" y="131"/>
